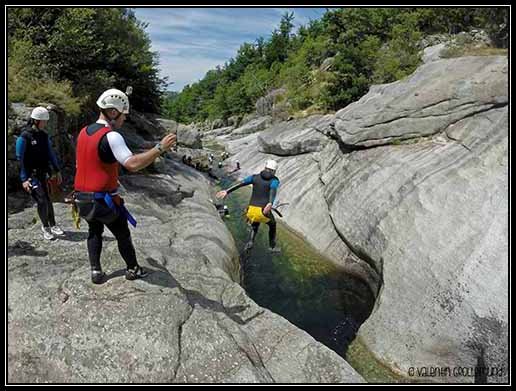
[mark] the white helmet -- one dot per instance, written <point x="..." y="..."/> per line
<point x="272" y="165"/>
<point x="114" y="99"/>
<point x="40" y="114"/>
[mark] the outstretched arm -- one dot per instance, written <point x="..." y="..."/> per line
<point x="246" y="181"/>
<point x="138" y="161"/>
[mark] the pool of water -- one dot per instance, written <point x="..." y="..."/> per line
<point x="299" y="284"/>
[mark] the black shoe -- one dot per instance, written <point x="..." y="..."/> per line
<point x="137" y="272"/>
<point x="98" y="276"/>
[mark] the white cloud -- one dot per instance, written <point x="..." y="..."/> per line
<point x="184" y="71"/>
<point x="176" y="20"/>
<point x="191" y="41"/>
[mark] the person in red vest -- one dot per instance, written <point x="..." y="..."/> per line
<point x="100" y="151"/>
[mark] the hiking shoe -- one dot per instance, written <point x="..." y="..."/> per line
<point x="275" y="250"/>
<point x="47" y="233"/>
<point x="137" y="272"/>
<point x="97" y="276"/>
<point x="56" y="230"/>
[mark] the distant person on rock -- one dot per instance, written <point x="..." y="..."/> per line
<point x="101" y="149"/>
<point x="265" y="187"/>
<point x="36" y="156"/>
<point x="237" y="165"/>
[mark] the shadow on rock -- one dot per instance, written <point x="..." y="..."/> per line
<point x="160" y="194"/>
<point x="118" y="273"/>
<point x="71" y="236"/>
<point x="163" y="277"/>
<point x="24" y="248"/>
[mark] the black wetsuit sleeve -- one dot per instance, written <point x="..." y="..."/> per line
<point x="105" y="152"/>
<point x="247" y="181"/>
<point x="237" y="186"/>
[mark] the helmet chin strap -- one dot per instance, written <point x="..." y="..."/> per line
<point x="111" y="122"/>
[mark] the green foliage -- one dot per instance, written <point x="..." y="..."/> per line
<point x="400" y="56"/>
<point x="87" y="50"/>
<point x="257" y="81"/>
<point x="301" y="76"/>
<point x="26" y="84"/>
<point x="363" y="46"/>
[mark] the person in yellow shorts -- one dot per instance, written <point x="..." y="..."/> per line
<point x="265" y="187"/>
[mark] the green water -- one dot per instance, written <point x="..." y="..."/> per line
<point x="299" y="284"/>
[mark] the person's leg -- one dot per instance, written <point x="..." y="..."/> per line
<point x="50" y="208"/>
<point x="95" y="230"/>
<point x="254" y="231"/>
<point x="272" y="232"/>
<point x="272" y="235"/>
<point x="120" y="229"/>
<point x="38" y="195"/>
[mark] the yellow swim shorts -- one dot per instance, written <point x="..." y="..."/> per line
<point x="255" y="215"/>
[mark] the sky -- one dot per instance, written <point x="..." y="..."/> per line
<point x="191" y="41"/>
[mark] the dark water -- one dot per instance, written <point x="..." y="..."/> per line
<point x="299" y="284"/>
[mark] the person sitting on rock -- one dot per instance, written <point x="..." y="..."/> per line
<point x="35" y="153"/>
<point x="265" y="187"/>
<point x="100" y="152"/>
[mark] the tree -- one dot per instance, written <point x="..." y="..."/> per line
<point x="278" y="46"/>
<point x="401" y="55"/>
<point x="92" y="49"/>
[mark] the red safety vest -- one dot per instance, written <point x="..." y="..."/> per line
<point x="92" y="174"/>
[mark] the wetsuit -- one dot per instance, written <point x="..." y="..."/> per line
<point x="36" y="155"/>
<point x="265" y="187"/>
<point x="97" y="175"/>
